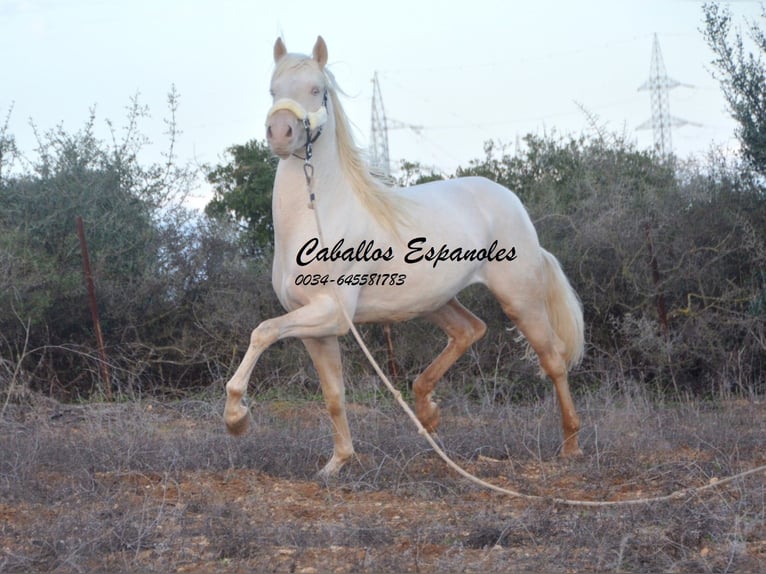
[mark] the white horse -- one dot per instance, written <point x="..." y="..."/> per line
<point x="391" y="255"/>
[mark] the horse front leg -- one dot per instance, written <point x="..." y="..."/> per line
<point x="325" y="353"/>
<point x="320" y="318"/>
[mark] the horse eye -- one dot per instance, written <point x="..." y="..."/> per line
<point x="315" y="91"/>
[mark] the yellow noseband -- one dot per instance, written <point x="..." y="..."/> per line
<point x="315" y="119"/>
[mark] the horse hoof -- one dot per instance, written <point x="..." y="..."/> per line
<point x="570" y="453"/>
<point x="332" y="468"/>
<point x="430" y="420"/>
<point x="238" y="422"/>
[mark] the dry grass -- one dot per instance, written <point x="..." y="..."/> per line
<point x="159" y="487"/>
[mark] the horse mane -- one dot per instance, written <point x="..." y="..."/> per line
<point x="372" y="190"/>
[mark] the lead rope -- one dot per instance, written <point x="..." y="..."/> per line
<point x="308" y="170"/>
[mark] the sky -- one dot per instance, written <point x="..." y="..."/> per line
<point x="462" y="72"/>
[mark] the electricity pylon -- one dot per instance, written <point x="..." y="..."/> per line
<point x="379" y="131"/>
<point x="659" y="84"/>
<point x="379" y="155"/>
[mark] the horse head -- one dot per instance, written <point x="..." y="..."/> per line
<point x="298" y="85"/>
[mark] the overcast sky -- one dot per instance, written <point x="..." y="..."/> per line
<point x="466" y="72"/>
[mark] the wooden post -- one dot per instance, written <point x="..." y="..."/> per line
<point x="393" y="365"/>
<point x="104" y="366"/>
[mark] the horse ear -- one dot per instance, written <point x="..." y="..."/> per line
<point x="320" y="52"/>
<point x="279" y="50"/>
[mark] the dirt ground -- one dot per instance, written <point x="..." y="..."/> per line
<point x="156" y="487"/>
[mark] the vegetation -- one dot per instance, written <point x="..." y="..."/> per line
<point x="667" y="256"/>
<point x="668" y="259"/>
<point x="742" y="76"/>
<point x="158" y="486"/>
<point x="242" y="193"/>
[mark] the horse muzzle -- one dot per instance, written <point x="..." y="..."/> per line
<point x="286" y="123"/>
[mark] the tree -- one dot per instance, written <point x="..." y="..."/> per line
<point x="558" y="174"/>
<point x="242" y="193"/>
<point x="7" y="147"/>
<point x="412" y="173"/>
<point x="130" y="211"/>
<point x="742" y="77"/>
<point x="75" y="175"/>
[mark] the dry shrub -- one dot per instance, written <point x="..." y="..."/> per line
<point x="142" y="486"/>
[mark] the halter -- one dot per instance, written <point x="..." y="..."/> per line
<point x="311" y="121"/>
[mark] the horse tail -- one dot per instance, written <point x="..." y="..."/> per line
<point x="564" y="310"/>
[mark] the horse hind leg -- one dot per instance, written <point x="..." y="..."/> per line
<point x="545" y="308"/>
<point x="551" y="353"/>
<point x="553" y="363"/>
<point x="463" y="328"/>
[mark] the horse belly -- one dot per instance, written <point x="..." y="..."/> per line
<point x="417" y="292"/>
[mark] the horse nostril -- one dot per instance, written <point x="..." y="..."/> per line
<point x="289" y="131"/>
<point x="269" y="135"/>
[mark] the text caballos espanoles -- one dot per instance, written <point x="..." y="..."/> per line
<point x="418" y="251"/>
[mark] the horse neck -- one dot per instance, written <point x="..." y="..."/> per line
<point x="329" y="183"/>
<point x="336" y="204"/>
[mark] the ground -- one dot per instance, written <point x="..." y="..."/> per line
<point x="151" y="486"/>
